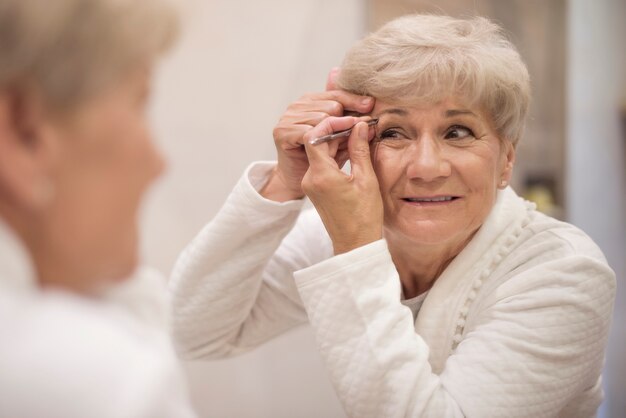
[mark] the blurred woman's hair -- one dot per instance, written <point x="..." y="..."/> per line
<point x="422" y="59"/>
<point x="69" y="50"/>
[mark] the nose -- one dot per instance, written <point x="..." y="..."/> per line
<point x="426" y="161"/>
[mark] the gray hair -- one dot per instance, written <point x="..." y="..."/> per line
<point x="70" y="50"/>
<point x="425" y="58"/>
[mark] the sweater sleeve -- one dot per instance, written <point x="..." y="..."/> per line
<point x="232" y="288"/>
<point x="528" y="354"/>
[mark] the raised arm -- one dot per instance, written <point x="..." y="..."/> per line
<point x="232" y="288"/>
<point x="226" y="298"/>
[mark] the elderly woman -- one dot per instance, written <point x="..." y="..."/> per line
<point x="75" y="158"/>
<point x="433" y="289"/>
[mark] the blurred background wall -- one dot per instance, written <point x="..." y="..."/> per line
<point x="596" y="157"/>
<point x="240" y="63"/>
<point x="217" y="99"/>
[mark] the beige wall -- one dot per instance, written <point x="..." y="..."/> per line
<point x="217" y="98"/>
<point x="596" y="158"/>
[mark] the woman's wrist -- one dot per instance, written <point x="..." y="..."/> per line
<point x="276" y="189"/>
<point x="346" y="244"/>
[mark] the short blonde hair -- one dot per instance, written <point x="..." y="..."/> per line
<point x="425" y="58"/>
<point x="70" y="50"/>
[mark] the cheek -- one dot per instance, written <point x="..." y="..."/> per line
<point x="479" y="175"/>
<point x="127" y="172"/>
<point x="127" y="160"/>
<point x="477" y="167"/>
<point x="100" y="187"/>
<point x="387" y="166"/>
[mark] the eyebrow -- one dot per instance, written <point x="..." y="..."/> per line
<point x="456" y="112"/>
<point x="394" y="111"/>
<point x="448" y="113"/>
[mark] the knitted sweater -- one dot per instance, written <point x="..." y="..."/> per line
<point x="515" y="326"/>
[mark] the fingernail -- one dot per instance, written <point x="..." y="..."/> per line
<point x="366" y="101"/>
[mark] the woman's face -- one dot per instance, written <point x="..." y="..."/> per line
<point x="439" y="168"/>
<point x="106" y="160"/>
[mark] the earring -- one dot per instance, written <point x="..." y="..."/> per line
<point x="503" y="184"/>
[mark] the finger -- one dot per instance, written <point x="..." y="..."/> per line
<point x="331" y="107"/>
<point x="289" y="133"/>
<point x="359" y="150"/>
<point x="305" y="118"/>
<point x="291" y="136"/>
<point x="371" y="133"/>
<point x="342" y="142"/>
<point x="333" y="147"/>
<point x="319" y="155"/>
<point x="343" y="145"/>
<point x="350" y="101"/>
<point x="331" y="80"/>
<point x="342" y="158"/>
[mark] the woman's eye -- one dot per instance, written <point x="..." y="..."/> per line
<point x="459" y="132"/>
<point x="389" y="134"/>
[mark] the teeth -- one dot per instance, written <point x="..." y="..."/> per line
<point x="434" y="199"/>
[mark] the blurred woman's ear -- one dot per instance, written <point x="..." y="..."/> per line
<point x="26" y="152"/>
<point x="508" y="157"/>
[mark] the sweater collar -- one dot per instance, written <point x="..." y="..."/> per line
<point x="16" y="267"/>
<point x="508" y="209"/>
<point x="445" y="298"/>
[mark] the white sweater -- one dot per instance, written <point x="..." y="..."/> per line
<point x="516" y="325"/>
<point x="65" y="356"/>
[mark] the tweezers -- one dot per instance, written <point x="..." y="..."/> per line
<point x="338" y="134"/>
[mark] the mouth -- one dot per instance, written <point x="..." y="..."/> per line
<point x="431" y="200"/>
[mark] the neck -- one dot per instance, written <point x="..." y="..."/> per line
<point x="28" y="226"/>
<point x="420" y="265"/>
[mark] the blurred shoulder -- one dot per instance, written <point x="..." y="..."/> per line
<point x="71" y="355"/>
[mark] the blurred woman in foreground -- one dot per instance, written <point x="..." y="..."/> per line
<point x="76" y="157"/>
<point x="432" y="288"/>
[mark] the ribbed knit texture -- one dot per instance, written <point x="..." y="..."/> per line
<point x="516" y="325"/>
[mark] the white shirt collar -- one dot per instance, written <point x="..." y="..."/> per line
<point x="16" y="267"/>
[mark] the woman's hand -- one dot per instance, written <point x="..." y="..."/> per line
<point x="350" y="205"/>
<point x="299" y="118"/>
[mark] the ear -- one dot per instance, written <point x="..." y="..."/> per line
<point x="25" y="152"/>
<point x="508" y="161"/>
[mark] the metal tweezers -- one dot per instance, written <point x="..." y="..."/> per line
<point x="339" y="134"/>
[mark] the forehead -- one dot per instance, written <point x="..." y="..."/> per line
<point x="448" y="107"/>
<point x="442" y="111"/>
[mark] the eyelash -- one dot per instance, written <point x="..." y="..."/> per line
<point x="387" y="133"/>
<point x="460" y="127"/>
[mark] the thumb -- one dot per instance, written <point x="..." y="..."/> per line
<point x="331" y="81"/>
<point x="359" y="150"/>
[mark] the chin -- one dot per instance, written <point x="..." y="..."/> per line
<point x="423" y="232"/>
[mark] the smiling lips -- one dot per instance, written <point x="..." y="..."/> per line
<point x="430" y="200"/>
